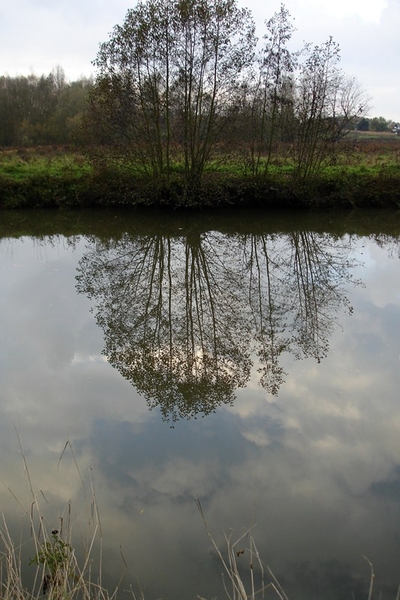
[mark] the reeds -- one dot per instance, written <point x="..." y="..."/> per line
<point x="55" y="569"/>
<point x="257" y="580"/>
<point x="242" y="586"/>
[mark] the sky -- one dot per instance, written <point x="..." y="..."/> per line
<point x="38" y="35"/>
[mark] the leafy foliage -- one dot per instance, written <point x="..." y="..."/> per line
<point x="41" y="110"/>
<point x="57" y="557"/>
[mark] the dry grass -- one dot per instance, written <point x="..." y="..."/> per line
<point x="58" y="573"/>
<point x="241" y="587"/>
<point x="259" y="579"/>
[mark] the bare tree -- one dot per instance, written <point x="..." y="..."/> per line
<point x="326" y="104"/>
<point x="131" y="97"/>
<point x="270" y="94"/>
<point x="165" y="79"/>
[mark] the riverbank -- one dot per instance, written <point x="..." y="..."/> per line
<point x="366" y="176"/>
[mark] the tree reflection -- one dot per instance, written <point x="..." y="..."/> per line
<point x="186" y="317"/>
<point x="320" y="269"/>
<point x="263" y="259"/>
<point x="296" y="287"/>
<point x="170" y="319"/>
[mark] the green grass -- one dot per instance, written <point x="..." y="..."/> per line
<point x="365" y="171"/>
<point x="22" y="164"/>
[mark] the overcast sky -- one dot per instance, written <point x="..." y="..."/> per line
<point x="37" y="35"/>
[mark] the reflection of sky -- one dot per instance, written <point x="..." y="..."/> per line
<point x="317" y="469"/>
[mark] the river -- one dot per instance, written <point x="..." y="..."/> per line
<point x="245" y="362"/>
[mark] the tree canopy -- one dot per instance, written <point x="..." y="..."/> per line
<point x="42" y="110"/>
<point x="182" y="83"/>
<point x="168" y="81"/>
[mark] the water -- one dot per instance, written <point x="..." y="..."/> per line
<point x="247" y="360"/>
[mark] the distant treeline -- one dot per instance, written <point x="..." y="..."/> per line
<point x="42" y="110"/>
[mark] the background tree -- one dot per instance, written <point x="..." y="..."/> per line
<point x="363" y="124"/>
<point x="42" y="110"/>
<point x="66" y="122"/>
<point x="379" y="124"/>
<point x="14" y="93"/>
<point x="327" y="106"/>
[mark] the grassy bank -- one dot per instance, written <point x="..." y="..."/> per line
<point x="364" y="173"/>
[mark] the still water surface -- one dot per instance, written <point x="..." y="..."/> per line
<point x="251" y="361"/>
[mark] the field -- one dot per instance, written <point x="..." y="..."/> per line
<point x="363" y="171"/>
